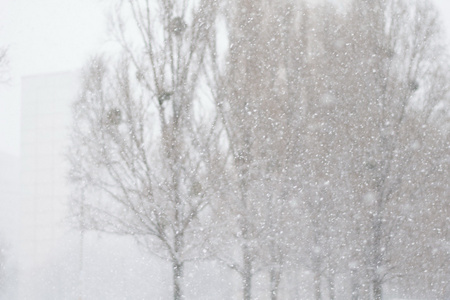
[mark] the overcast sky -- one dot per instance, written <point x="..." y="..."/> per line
<point x="44" y="36"/>
<point x="56" y="35"/>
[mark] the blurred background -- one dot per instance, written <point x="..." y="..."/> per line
<point x="48" y="42"/>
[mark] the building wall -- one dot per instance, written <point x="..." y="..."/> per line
<point x="9" y="198"/>
<point x="45" y="120"/>
<point x="9" y="195"/>
<point x="55" y="262"/>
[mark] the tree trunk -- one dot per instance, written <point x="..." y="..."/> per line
<point x="377" y="252"/>
<point x="275" y="276"/>
<point x="177" y="277"/>
<point x="275" y="270"/>
<point x="317" y="264"/>
<point x="247" y="275"/>
<point x="354" y="284"/>
<point x="377" y="290"/>
<point x="331" y="286"/>
<point x="317" y="291"/>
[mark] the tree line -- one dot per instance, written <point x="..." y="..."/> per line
<point x="274" y="138"/>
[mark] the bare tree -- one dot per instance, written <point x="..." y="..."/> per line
<point x="252" y="108"/>
<point x="140" y="141"/>
<point x="363" y="87"/>
<point x="326" y="135"/>
<point x="391" y="89"/>
<point x="4" y="64"/>
<point x="371" y="86"/>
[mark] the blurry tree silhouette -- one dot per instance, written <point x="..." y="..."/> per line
<point x="323" y="136"/>
<point x="374" y="82"/>
<point x="140" y="141"/>
<point x="258" y="143"/>
<point x="356" y="94"/>
<point x="4" y="64"/>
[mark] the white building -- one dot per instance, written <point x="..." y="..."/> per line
<point x="45" y="119"/>
<point x="9" y="196"/>
<point x="54" y="264"/>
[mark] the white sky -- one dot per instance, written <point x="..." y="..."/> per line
<point x="44" y="36"/>
<point x="57" y="35"/>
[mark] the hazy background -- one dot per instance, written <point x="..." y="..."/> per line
<point x="44" y="36"/>
<point x="58" y="35"/>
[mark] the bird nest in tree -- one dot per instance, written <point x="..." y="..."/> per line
<point x="164" y="96"/>
<point x="140" y="75"/>
<point x="413" y="85"/>
<point x="114" y="116"/>
<point x="178" y="26"/>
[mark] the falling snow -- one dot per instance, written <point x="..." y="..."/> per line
<point x="258" y="149"/>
